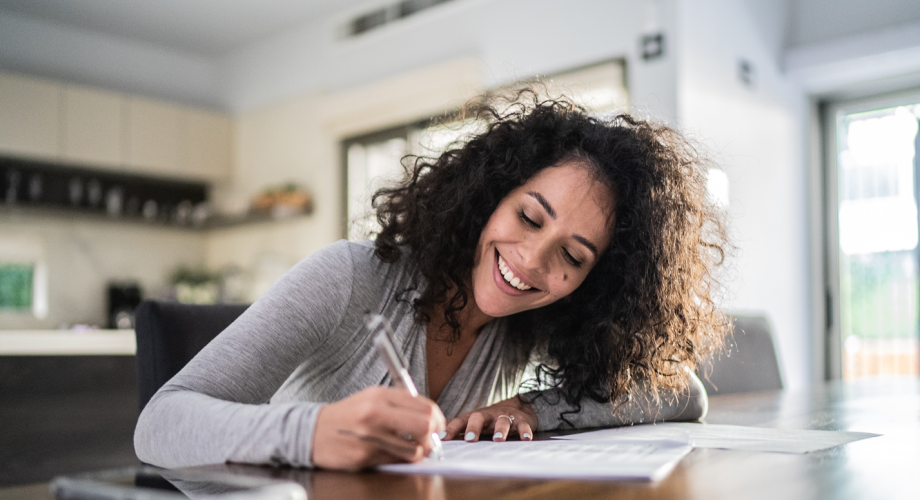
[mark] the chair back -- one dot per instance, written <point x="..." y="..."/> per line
<point x="170" y="334"/>
<point x="747" y="364"/>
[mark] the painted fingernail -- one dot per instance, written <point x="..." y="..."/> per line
<point x="442" y="434"/>
<point x="497" y="435"/>
<point x="525" y="435"/>
<point x="469" y="436"/>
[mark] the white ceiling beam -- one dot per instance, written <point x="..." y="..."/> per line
<point x="857" y="60"/>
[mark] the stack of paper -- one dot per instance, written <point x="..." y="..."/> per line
<point x="731" y="437"/>
<point x="641" y="452"/>
<point x="638" y="460"/>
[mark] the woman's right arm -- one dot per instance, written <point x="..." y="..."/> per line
<point x="214" y="410"/>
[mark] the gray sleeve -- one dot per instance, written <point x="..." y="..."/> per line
<point x="689" y="405"/>
<point x="215" y="409"/>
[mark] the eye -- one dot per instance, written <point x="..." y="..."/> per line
<point x="571" y="260"/>
<point x="527" y="220"/>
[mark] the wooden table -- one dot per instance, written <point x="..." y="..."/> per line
<point x="883" y="467"/>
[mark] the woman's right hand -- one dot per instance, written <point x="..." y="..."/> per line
<point x="375" y="426"/>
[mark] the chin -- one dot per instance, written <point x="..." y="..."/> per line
<point x="498" y="309"/>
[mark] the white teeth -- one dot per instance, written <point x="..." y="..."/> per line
<point x="510" y="277"/>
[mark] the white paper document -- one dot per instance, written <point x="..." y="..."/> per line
<point x="635" y="459"/>
<point x="729" y="437"/>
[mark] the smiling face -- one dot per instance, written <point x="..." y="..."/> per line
<point x="542" y="240"/>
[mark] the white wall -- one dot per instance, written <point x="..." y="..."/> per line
<point x="513" y="38"/>
<point x="82" y="256"/>
<point x="757" y="135"/>
<point x="274" y="145"/>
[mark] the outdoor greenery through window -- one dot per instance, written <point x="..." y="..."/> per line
<point x="16" y="287"/>
<point x="877" y="217"/>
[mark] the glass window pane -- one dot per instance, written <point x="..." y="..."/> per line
<point x="371" y="166"/>
<point x="877" y="217"/>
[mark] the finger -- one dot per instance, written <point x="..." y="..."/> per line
<point x="394" y="447"/>
<point x="455" y="427"/>
<point x="411" y="422"/>
<point x="474" y="427"/>
<point x="502" y="428"/>
<point x="410" y="429"/>
<point x="524" y="430"/>
<point x="401" y="400"/>
<point x="376" y="450"/>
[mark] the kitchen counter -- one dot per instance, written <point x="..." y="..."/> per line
<point x="67" y="343"/>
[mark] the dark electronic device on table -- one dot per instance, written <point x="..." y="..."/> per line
<point x="152" y="483"/>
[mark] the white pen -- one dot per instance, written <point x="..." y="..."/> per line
<point x="383" y="340"/>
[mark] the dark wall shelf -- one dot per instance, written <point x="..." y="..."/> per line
<point x="212" y="222"/>
<point x="36" y="189"/>
<point x="30" y="184"/>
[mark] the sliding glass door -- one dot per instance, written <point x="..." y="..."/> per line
<point x="874" y="255"/>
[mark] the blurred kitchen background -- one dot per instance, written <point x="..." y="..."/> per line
<point x="194" y="151"/>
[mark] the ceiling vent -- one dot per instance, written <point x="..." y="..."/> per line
<point x="382" y="16"/>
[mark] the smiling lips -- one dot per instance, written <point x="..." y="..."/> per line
<point x="509" y="276"/>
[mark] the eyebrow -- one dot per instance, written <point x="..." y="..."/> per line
<point x="552" y="213"/>
<point x="584" y="241"/>
<point x="546" y="206"/>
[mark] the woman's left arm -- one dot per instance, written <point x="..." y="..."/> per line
<point x="544" y="410"/>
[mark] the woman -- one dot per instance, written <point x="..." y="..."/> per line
<point x="582" y="244"/>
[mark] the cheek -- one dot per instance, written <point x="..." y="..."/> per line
<point x="564" y="287"/>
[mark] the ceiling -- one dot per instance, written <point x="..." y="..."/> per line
<point x="202" y="27"/>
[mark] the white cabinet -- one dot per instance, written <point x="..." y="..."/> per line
<point x="96" y="128"/>
<point x="30" y="116"/>
<point x="93" y="127"/>
<point x="170" y="140"/>
<point x="209" y="145"/>
<point x="155" y="137"/>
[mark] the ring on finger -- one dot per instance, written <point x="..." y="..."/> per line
<point x="408" y="437"/>
<point x="509" y="417"/>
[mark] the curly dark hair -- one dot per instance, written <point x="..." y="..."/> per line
<point x="647" y="308"/>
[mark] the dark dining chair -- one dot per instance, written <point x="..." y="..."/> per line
<point x="747" y="364"/>
<point x="170" y="334"/>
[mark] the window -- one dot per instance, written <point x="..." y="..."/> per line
<point x="874" y="252"/>
<point x="372" y="161"/>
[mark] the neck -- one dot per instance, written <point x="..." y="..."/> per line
<point x="471" y="318"/>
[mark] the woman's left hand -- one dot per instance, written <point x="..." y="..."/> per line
<point x="512" y="415"/>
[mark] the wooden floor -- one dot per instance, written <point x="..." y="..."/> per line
<point x="67" y="418"/>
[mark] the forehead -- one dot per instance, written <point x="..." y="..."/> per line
<point x="576" y="194"/>
<point x="571" y="182"/>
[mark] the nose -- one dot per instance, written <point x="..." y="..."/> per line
<point x="535" y="255"/>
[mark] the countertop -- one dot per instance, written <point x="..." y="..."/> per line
<point x="67" y="342"/>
